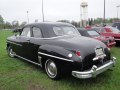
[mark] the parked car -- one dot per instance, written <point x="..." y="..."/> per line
<point x="109" y="31"/>
<point x="109" y="41"/>
<point x="116" y="25"/>
<point x="59" y="49"/>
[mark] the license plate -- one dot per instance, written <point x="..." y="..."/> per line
<point x="99" y="51"/>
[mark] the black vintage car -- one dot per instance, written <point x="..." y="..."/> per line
<point x="59" y="49"/>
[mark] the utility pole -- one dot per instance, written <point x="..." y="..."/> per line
<point x="104" y="12"/>
<point x="43" y="10"/>
<point x="118" y="11"/>
<point x="28" y="16"/>
<point x="80" y="16"/>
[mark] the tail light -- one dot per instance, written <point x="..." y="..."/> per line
<point x="78" y="53"/>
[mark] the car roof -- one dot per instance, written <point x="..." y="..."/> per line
<point x="116" y="22"/>
<point x="97" y="27"/>
<point x="49" y="23"/>
<point x="81" y="29"/>
<point x="47" y="27"/>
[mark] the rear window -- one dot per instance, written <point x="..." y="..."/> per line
<point x="100" y="30"/>
<point x="93" y="33"/>
<point x="65" y="30"/>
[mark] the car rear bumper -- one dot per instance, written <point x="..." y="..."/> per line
<point x="94" y="70"/>
<point x="117" y="39"/>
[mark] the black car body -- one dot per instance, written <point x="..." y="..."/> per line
<point x="59" y="48"/>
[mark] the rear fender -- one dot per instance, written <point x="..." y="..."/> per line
<point x="55" y="51"/>
<point x="59" y="55"/>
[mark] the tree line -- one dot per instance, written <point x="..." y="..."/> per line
<point x="10" y="25"/>
<point x="91" y="22"/>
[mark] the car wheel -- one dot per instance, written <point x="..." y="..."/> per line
<point x="11" y="53"/>
<point x="52" y="69"/>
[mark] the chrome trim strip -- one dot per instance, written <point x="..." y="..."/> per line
<point x="14" y="43"/>
<point x="111" y="43"/>
<point x="53" y="37"/>
<point x="55" y="57"/>
<point x="117" y="39"/>
<point x="28" y="60"/>
<point x="46" y="38"/>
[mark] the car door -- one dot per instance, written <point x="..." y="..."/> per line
<point x="25" y="39"/>
<point x="34" y="43"/>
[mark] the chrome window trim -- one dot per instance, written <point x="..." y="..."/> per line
<point x="55" y="57"/>
<point x="52" y="37"/>
<point x="117" y="39"/>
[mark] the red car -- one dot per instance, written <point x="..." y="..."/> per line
<point x="109" y="41"/>
<point x="109" y="31"/>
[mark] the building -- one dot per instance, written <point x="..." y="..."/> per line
<point x="84" y="12"/>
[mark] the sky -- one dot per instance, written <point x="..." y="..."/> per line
<point x="55" y="9"/>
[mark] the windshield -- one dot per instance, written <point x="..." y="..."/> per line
<point x="99" y="30"/>
<point x="114" y="29"/>
<point x="93" y="33"/>
<point x="115" y="24"/>
<point x="65" y="30"/>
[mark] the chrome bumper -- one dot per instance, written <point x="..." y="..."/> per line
<point x="117" y="39"/>
<point x="112" y="43"/>
<point x="94" y="70"/>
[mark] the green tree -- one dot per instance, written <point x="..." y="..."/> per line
<point x="7" y="25"/>
<point x="1" y="22"/>
<point x="15" y="24"/>
<point x="66" y="21"/>
<point x="74" y="23"/>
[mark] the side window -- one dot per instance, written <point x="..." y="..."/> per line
<point x="58" y="31"/>
<point x="37" y="32"/>
<point x="26" y="32"/>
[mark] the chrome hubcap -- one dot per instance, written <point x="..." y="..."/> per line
<point x="51" y="69"/>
